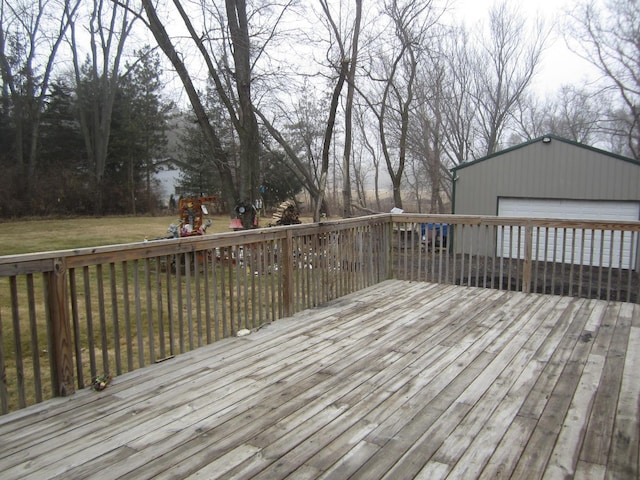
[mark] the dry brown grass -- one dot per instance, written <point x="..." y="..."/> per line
<point x="43" y="235"/>
<point x="35" y="235"/>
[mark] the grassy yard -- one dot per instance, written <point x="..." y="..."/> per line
<point x="99" y="305"/>
<point x="28" y="236"/>
<point x="45" y="235"/>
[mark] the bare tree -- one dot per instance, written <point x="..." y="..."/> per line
<point x="302" y="168"/>
<point x="348" y="114"/>
<point x="335" y="68"/>
<point x="360" y="174"/>
<point x="30" y="36"/>
<point x="428" y="126"/>
<point x="326" y="144"/>
<point x="504" y="67"/>
<point x="373" y="149"/>
<point x="341" y="66"/>
<point x="211" y="137"/>
<point x="301" y="139"/>
<point x="230" y="51"/>
<point x="459" y="110"/>
<point x="444" y="118"/>
<point x="416" y="179"/>
<point x="109" y="25"/>
<point x="574" y="113"/>
<point x="533" y="117"/>
<point x="608" y="37"/>
<point x="246" y="123"/>
<point x="395" y="73"/>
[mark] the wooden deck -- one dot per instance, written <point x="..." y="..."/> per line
<point x="403" y="380"/>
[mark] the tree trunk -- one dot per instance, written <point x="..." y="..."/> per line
<point x="248" y="133"/>
<point x="132" y="186"/>
<point x="328" y="134"/>
<point x="346" y="189"/>
<point x="220" y="157"/>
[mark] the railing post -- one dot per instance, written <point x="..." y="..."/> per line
<point x="389" y="249"/>
<point x="526" y="267"/>
<point x="287" y="274"/>
<point x="60" y="328"/>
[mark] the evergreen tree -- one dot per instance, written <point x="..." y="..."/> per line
<point x="62" y="185"/>
<point x="199" y="175"/>
<point x="279" y="182"/>
<point x="151" y="114"/>
<point x="138" y="141"/>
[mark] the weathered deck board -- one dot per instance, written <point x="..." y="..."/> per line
<point x="404" y="380"/>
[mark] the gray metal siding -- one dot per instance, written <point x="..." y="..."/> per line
<point x="554" y="170"/>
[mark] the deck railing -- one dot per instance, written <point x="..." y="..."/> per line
<point x="67" y="317"/>
<point x="591" y="259"/>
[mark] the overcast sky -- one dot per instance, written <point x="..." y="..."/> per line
<point x="560" y="65"/>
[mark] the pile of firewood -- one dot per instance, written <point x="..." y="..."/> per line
<point x="287" y="213"/>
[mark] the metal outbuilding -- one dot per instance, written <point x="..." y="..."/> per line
<point x="550" y="177"/>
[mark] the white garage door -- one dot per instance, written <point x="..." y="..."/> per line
<point x="599" y="248"/>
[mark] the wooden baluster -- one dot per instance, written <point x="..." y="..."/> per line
<point x="60" y="328"/>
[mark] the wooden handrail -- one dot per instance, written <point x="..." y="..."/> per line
<point x="120" y="307"/>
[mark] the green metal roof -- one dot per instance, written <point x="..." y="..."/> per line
<point x="540" y="139"/>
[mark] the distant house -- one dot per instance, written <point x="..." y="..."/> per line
<point x="551" y="177"/>
<point x="168" y="179"/>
